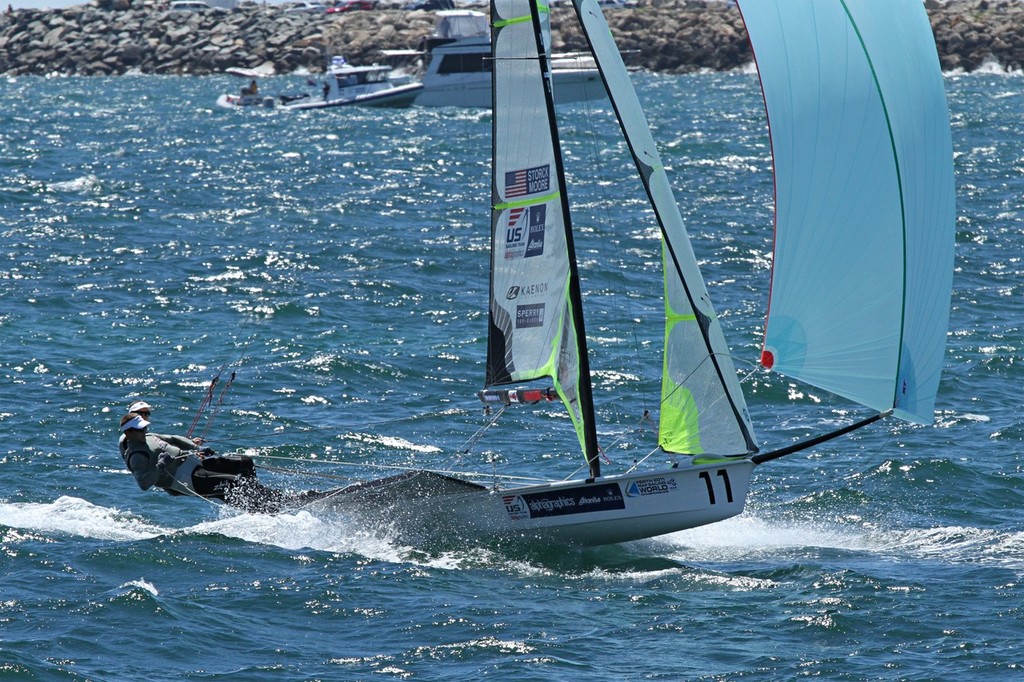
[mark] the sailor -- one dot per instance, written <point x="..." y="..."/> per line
<point x="179" y="466"/>
<point x="144" y="410"/>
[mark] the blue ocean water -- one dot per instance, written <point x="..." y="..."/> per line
<point x="335" y="261"/>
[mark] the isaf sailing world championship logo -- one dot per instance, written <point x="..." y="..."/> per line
<point x="657" y="485"/>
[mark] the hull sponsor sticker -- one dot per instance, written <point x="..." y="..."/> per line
<point x="657" y="485"/>
<point x="562" y="502"/>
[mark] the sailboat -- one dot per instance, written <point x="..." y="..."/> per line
<point x="860" y="283"/>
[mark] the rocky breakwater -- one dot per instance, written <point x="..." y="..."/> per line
<point x="90" y="40"/>
<point x="672" y="36"/>
<point x="683" y="37"/>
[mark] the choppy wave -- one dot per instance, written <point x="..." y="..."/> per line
<point x="337" y="263"/>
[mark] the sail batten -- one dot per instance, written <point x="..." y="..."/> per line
<point x="862" y="267"/>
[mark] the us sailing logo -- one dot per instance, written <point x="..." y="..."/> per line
<point x="516" y="507"/>
<point x="524" y="236"/>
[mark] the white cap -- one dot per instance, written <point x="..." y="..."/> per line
<point x="135" y="423"/>
<point x="139" y="405"/>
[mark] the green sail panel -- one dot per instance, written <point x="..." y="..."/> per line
<point x="531" y="330"/>
<point x="703" y="409"/>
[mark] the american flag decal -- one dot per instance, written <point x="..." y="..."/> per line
<point x="519" y="183"/>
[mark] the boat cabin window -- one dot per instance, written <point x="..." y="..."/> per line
<point x="464" y="63"/>
<point x="361" y="78"/>
<point x="458" y="25"/>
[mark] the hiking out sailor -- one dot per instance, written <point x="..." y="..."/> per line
<point x="180" y="466"/>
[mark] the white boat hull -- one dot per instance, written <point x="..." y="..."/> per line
<point x="397" y="96"/>
<point x="474" y="89"/>
<point x="245" y="101"/>
<point x="421" y="506"/>
<point x="455" y="77"/>
<point x="380" y="96"/>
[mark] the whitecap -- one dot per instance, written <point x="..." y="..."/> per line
<point x="77" y="517"/>
<point x="84" y="184"/>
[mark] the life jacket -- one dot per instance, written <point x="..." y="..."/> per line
<point x="176" y="478"/>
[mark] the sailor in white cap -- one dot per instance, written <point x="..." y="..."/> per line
<point x="179" y="466"/>
<point x="144" y="410"/>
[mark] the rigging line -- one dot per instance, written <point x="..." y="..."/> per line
<point x="637" y="463"/>
<point x="475" y="438"/>
<point x="206" y="401"/>
<point x="208" y="397"/>
<point x="220" y="403"/>
<point x="574" y="472"/>
<point x="645" y="419"/>
<point x="590" y="116"/>
<point x="299" y="472"/>
<point x="193" y="493"/>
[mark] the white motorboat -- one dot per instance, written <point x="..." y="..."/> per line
<point x="458" y="64"/>
<point x="343" y="84"/>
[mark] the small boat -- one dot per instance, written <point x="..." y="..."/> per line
<point x="246" y="100"/>
<point x="250" y="94"/>
<point x="457" y="65"/>
<point x="343" y="84"/>
<point x="860" y="284"/>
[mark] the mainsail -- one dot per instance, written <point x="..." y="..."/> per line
<point x="536" y="326"/>
<point x="864" y="235"/>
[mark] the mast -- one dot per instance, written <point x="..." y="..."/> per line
<point x="591" y="449"/>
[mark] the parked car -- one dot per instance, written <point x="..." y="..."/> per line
<point x="189" y="6"/>
<point x="312" y="7"/>
<point x="431" y="4"/>
<point x="349" y="5"/>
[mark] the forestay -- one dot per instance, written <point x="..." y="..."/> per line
<point x="864" y="234"/>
